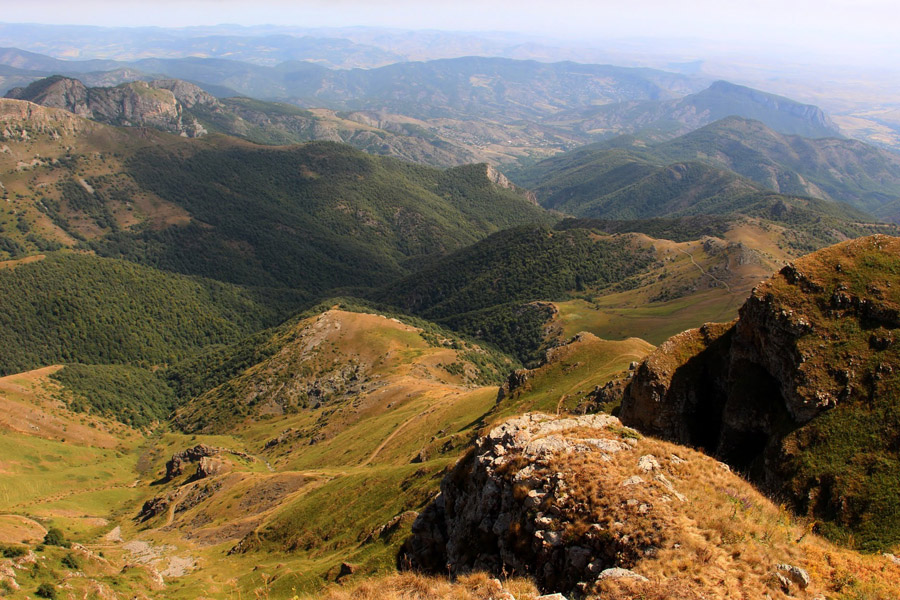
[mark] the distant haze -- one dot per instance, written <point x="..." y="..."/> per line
<point x="861" y="31"/>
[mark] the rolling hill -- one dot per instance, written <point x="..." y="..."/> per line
<point x="848" y="171"/>
<point x="313" y="217"/>
<point x="724" y="167"/>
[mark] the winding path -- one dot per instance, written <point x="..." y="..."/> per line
<point x="702" y="271"/>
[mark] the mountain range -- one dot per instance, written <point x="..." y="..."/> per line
<point x="730" y="158"/>
<point x="467" y="339"/>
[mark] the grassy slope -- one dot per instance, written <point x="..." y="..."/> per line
<point x="73" y="469"/>
<point x="324" y="503"/>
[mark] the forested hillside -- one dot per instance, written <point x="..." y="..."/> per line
<point x="81" y="308"/>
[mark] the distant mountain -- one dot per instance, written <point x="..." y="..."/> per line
<point x="837" y="169"/>
<point x="722" y="99"/>
<point x="137" y="103"/>
<point x="621" y="186"/>
<point x="183" y="108"/>
<point x="31" y="61"/>
<point x="264" y="47"/>
<point x="503" y="88"/>
<point x="708" y="171"/>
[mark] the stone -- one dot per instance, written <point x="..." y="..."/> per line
<point x="346" y="570"/>
<point x="783" y="582"/>
<point x="633" y="480"/>
<point x="506" y="507"/>
<point x="175" y="465"/>
<point x="648" y="463"/>
<point x="618" y="573"/>
<point x="209" y="467"/>
<point x="799" y="576"/>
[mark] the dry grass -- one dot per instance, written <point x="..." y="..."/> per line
<point x="723" y="542"/>
<point x="412" y="586"/>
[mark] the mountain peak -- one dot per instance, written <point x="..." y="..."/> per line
<point x="795" y="117"/>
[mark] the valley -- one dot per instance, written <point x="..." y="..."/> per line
<point x="294" y="317"/>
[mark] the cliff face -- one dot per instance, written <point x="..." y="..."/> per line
<point x="803" y="379"/>
<point x="18" y="117"/>
<point x="159" y="104"/>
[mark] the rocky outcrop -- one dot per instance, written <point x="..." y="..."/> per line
<point x="21" y="119"/>
<point x="137" y="103"/>
<point x="816" y="336"/>
<point x="208" y="465"/>
<point x="500" y="180"/>
<point x="175" y="465"/>
<point x="510" y="507"/>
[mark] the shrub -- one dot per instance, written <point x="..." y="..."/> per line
<point x="55" y="537"/>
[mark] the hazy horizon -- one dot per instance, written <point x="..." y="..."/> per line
<point x="861" y="32"/>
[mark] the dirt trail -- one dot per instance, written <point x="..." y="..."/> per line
<point x="702" y="271"/>
<point x="393" y="434"/>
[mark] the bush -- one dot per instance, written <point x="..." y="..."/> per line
<point x="55" y="537"/>
<point x="12" y="551"/>
<point x="46" y="590"/>
<point x="70" y="562"/>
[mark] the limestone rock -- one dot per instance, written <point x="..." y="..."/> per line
<point x="618" y="573"/>
<point x="175" y="465"/>
<point x="507" y="508"/>
<point x="797" y="575"/>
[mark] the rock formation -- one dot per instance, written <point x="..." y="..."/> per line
<point x="510" y="507"/>
<point x="588" y="508"/>
<point x="158" y="104"/>
<point x="756" y="393"/>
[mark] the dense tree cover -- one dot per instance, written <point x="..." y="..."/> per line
<point x="82" y="308"/>
<point x="480" y="289"/>
<point x="681" y="229"/>
<point x="316" y="216"/>
<point x="134" y="396"/>
<point x="517" y="265"/>
<point x="516" y="328"/>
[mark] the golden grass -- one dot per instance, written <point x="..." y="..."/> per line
<point x="412" y="586"/>
<point x="723" y="542"/>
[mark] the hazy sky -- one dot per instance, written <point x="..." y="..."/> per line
<point x="835" y="27"/>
